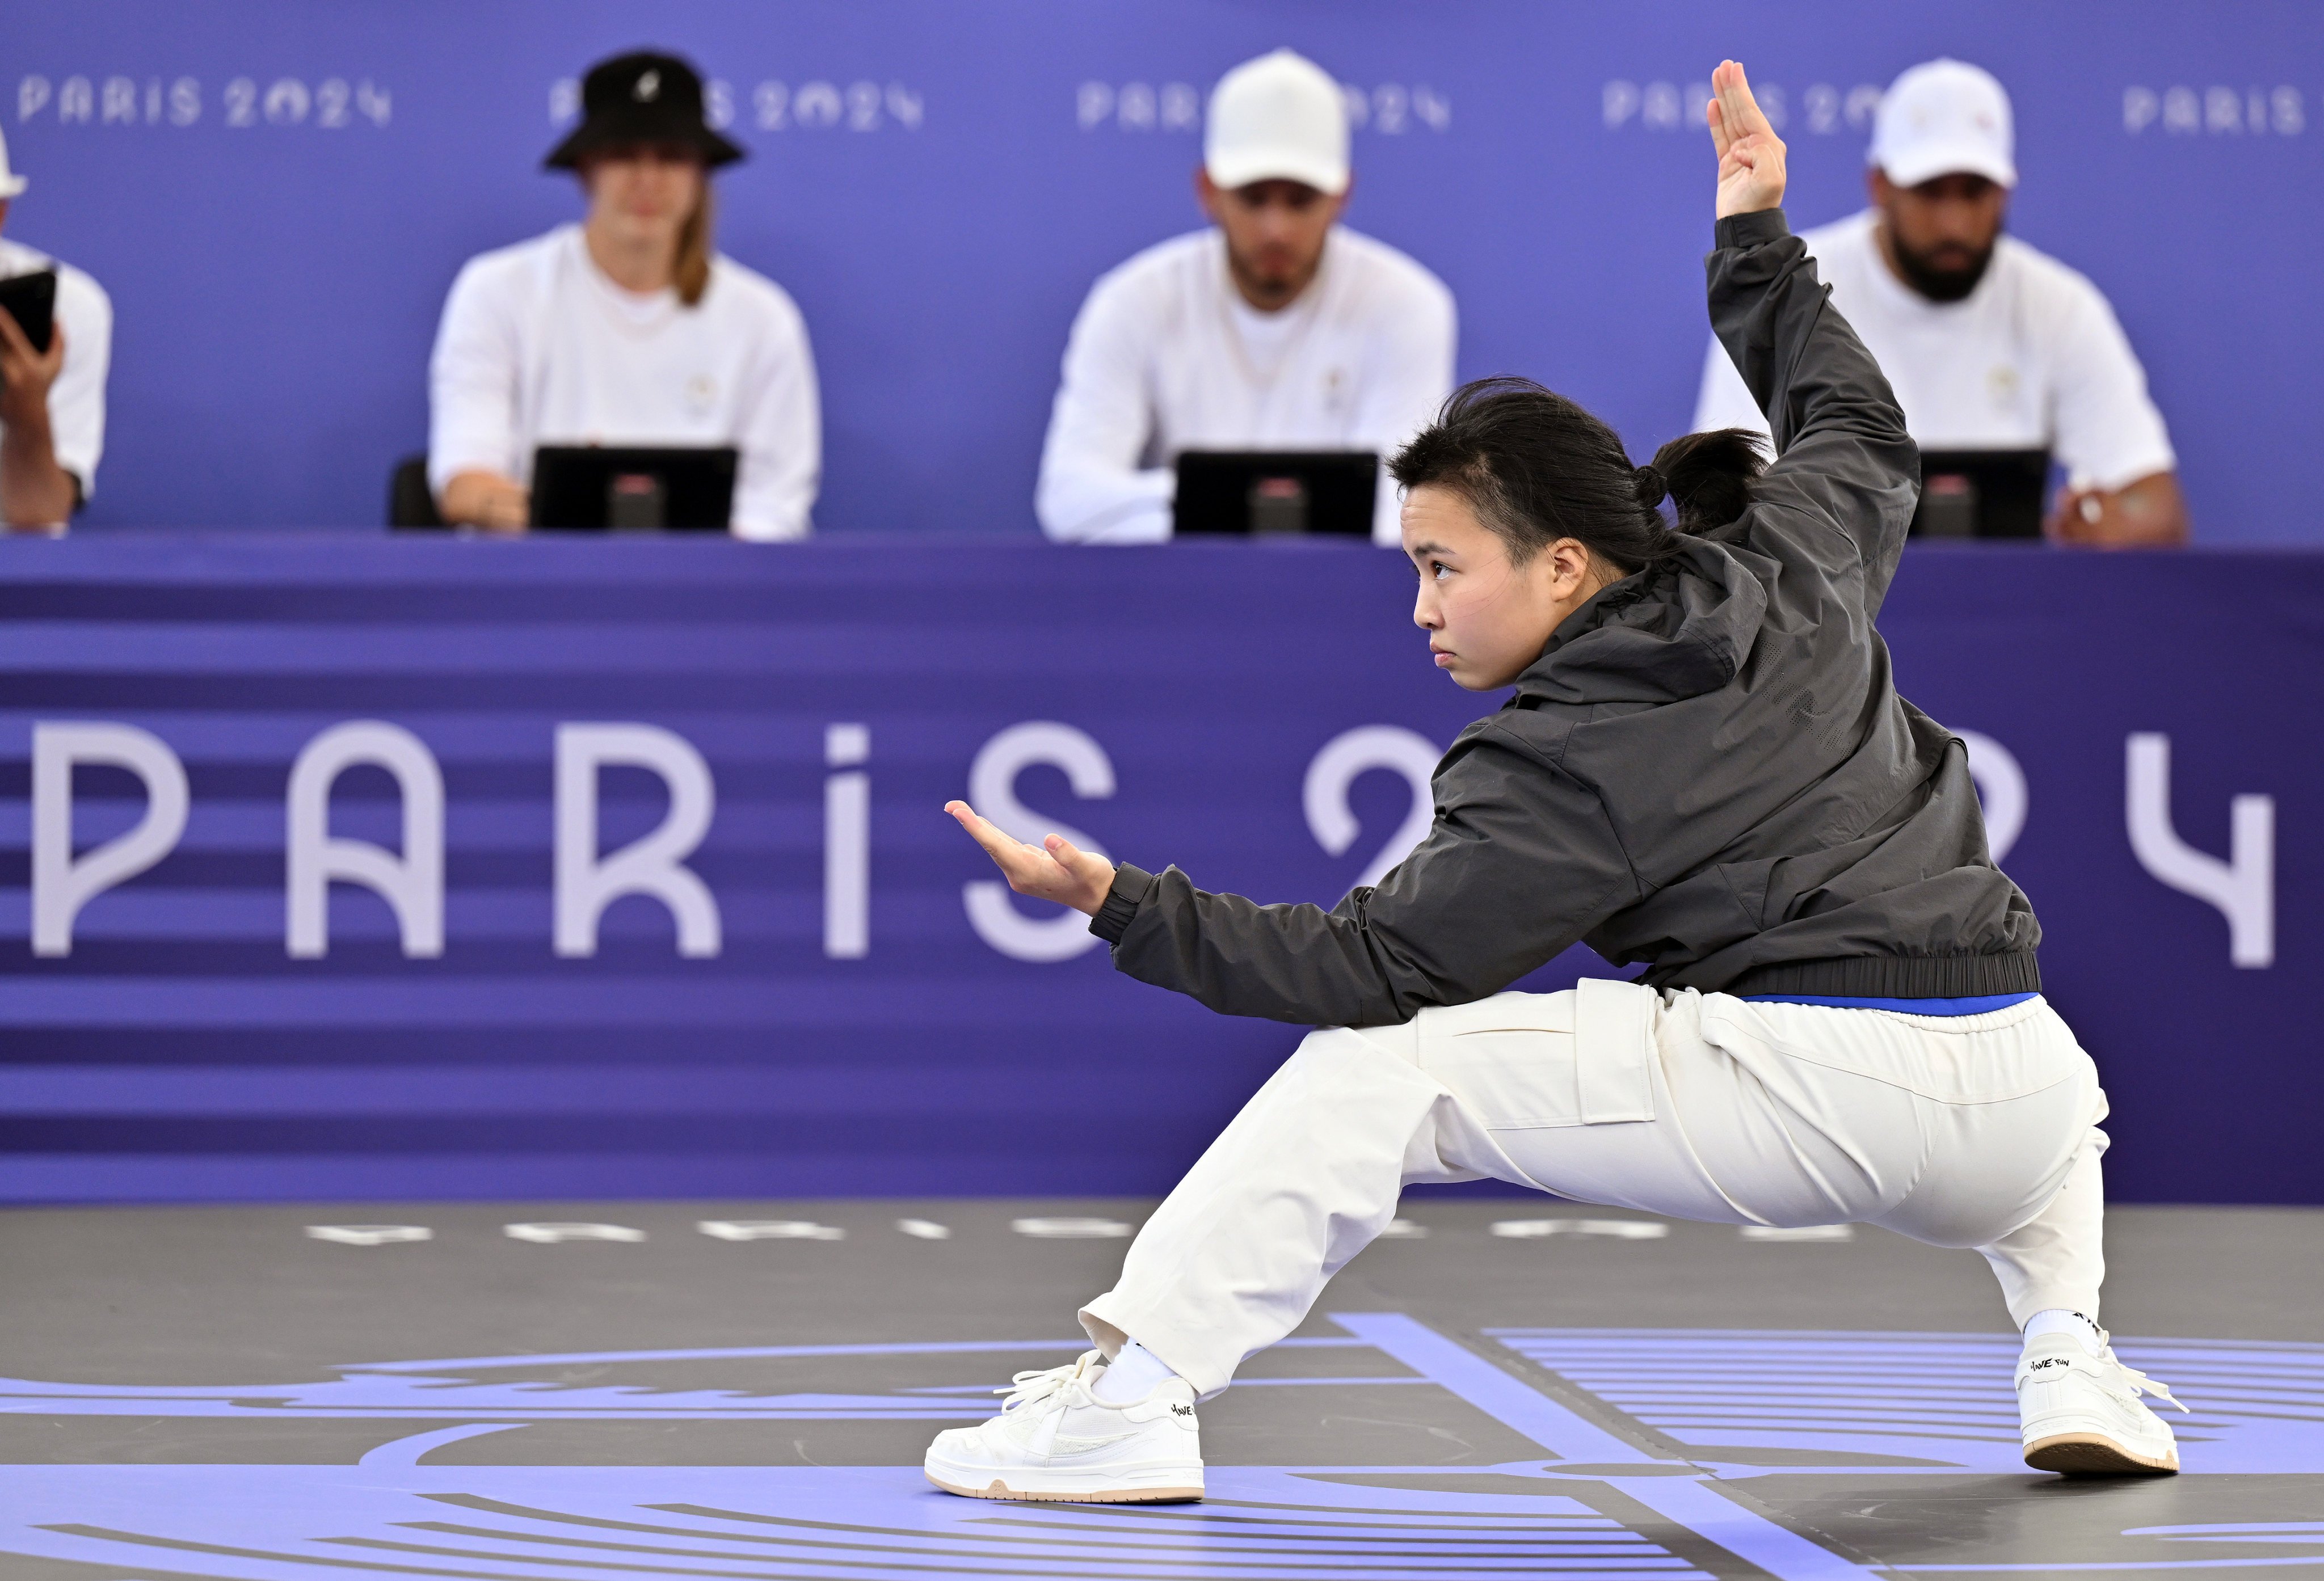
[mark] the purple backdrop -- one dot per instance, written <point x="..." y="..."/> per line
<point x="180" y="1052"/>
<point x="278" y="193"/>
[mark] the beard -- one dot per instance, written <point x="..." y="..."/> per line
<point x="1942" y="274"/>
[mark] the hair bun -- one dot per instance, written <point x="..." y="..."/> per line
<point x="1650" y="486"/>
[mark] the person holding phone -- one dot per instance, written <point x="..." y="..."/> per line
<point x="629" y="328"/>
<point x="52" y="383"/>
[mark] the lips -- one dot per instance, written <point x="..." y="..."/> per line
<point x="1442" y="656"/>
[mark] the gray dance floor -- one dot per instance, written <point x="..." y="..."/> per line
<point x="1503" y="1388"/>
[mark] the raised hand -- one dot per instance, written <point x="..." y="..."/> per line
<point x="1056" y="869"/>
<point x="1750" y="154"/>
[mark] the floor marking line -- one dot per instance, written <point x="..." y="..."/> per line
<point x="1691" y="1503"/>
<point x="729" y="1353"/>
<point x="408" y="1451"/>
<point x="2098" y="1565"/>
<point x="1500" y="1395"/>
<point x="1702" y="1509"/>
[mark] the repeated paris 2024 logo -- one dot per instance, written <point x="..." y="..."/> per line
<point x="814" y="105"/>
<point x="1827" y="110"/>
<point x="330" y="104"/>
<point x="1389" y="109"/>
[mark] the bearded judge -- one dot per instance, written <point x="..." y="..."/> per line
<point x="1989" y="343"/>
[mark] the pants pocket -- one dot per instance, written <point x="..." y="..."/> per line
<point x="1528" y="1061"/>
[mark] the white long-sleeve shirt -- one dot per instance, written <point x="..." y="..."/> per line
<point x="77" y="398"/>
<point x="1166" y="355"/>
<point x="538" y="346"/>
<point x="2032" y="359"/>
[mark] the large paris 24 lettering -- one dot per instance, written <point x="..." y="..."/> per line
<point x="378" y="868"/>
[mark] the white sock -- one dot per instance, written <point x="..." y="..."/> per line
<point x="1133" y="1375"/>
<point x="2065" y="1320"/>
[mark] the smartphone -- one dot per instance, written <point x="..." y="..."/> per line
<point x="31" y="300"/>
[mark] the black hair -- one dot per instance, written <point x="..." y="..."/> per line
<point x="1536" y="467"/>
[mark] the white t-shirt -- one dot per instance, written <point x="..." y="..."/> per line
<point x="2031" y="359"/>
<point x="77" y="398"/>
<point x="538" y="347"/>
<point x="1167" y="355"/>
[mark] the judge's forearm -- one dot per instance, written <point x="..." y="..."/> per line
<point x="2151" y="511"/>
<point x="34" y="490"/>
<point x="485" y="500"/>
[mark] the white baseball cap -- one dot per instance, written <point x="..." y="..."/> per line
<point x="1944" y="118"/>
<point x="11" y="183"/>
<point x="1277" y="118"/>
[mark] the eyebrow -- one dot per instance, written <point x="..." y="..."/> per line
<point x="1428" y="547"/>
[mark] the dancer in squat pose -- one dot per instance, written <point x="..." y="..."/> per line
<point x="1705" y="767"/>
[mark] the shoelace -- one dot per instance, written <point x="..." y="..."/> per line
<point x="2140" y="1383"/>
<point x="1026" y="1390"/>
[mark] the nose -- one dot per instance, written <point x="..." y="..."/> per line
<point x="1424" y="614"/>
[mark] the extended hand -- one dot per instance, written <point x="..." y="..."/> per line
<point x="1750" y="154"/>
<point x="1055" y="870"/>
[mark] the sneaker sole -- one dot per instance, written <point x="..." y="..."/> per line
<point x="996" y="1489"/>
<point x="2094" y="1454"/>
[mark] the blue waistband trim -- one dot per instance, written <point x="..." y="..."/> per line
<point x="1973" y="1006"/>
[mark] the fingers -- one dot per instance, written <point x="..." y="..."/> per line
<point x="1029" y="869"/>
<point x="1720" y="140"/>
<point x="991" y="839"/>
<point x="13" y="340"/>
<point x="1738" y="108"/>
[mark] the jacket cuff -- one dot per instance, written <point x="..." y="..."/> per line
<point x="1132" y="885"/>
<point x="1738" y="231"/>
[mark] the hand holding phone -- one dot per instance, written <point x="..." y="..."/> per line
<point x="27" y="369"/>
<point x="31" y="299"/>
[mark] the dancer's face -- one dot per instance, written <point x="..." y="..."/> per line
<point x="1487" y="618"/>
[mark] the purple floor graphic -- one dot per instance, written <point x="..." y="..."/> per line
<point x="1659" y="1448"/>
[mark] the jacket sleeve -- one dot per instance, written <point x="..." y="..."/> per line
<point x="1520" y="862"/>
<point x="1846" y="475"/>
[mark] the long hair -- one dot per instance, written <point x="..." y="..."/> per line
<point x="1536" y="467"/>
<point x="691" y="274"/>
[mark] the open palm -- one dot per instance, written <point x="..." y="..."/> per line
<point x="1055" y="870"/>
<point x="1750" y="154"/>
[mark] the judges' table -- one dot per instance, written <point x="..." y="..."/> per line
<point x="698" y="927"/>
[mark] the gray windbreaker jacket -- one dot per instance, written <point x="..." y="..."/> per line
<point x="1708" y="770"/>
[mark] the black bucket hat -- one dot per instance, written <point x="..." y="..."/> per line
<point x="641" y="98"/>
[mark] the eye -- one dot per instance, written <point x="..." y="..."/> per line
<point x="1439" y="570"/>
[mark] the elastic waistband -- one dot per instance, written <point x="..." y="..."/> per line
<point x="1892" y="977"/>
<point x="1976" y="1005"/>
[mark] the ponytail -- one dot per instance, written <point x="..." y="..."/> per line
<point x="1709" y="476"/>
<point x="1536" y="467"/>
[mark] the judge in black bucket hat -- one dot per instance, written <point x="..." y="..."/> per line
<point x="642" y="99"/>
<point x="628" y="329"/>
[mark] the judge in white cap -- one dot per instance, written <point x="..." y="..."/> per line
<point x="1278" y="328"/>
<point x="51" y="396"/>
<point x="1989" y="343"/>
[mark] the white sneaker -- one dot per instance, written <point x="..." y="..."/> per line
<point x="1055" y="1439"/>
<point x="2081" y="1415"/>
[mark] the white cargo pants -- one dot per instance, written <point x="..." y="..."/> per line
<point x="1959" y="1131"/>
